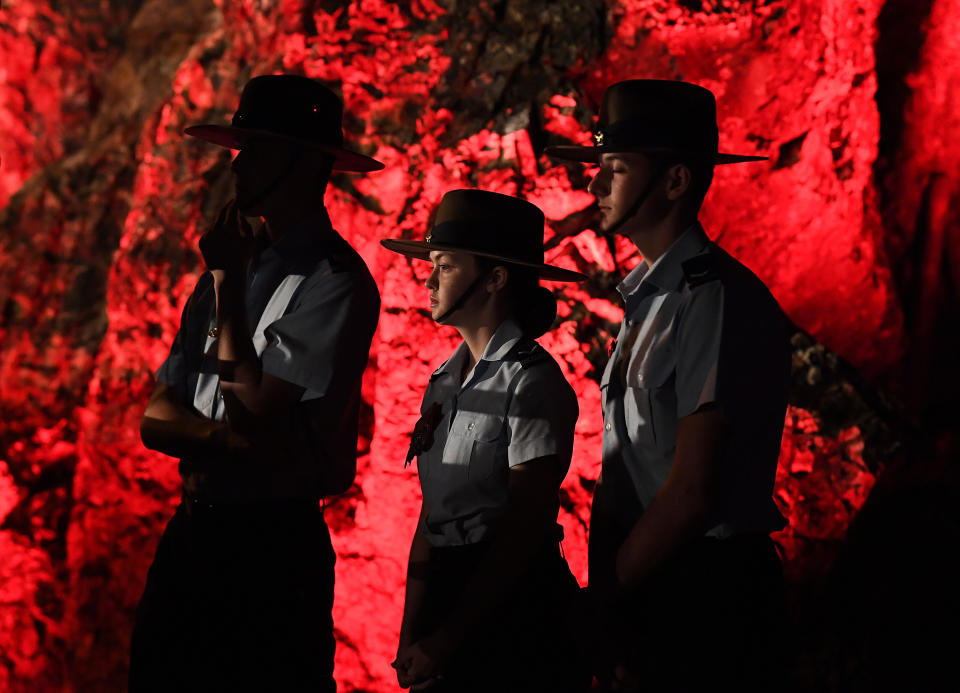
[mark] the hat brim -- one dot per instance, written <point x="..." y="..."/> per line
<point x="421" y="251"/>
<point x="590" y="155"/>
<point x="233" y="137"/>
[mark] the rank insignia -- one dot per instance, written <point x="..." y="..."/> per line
<point x="422" y="437"/>
<point x="699" y="270"/>
<point x="598" y="138"/>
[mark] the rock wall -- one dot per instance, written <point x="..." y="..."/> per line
<point x="105" y="199"/>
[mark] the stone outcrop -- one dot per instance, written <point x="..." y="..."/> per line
<point x="105" y="199"/>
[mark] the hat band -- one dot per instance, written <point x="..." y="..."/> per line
<point x="311" y="127"/>
<point x="490" y="238"/>
<point x="647" y="133"/>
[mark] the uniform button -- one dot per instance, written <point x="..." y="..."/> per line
<point x="608" y="426"/>
<point x="470" y="426"/>
<point x="220" y="395"/>
<point x="640" y="377"/>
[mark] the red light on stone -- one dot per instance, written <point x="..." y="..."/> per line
<point x="99" y="254"/>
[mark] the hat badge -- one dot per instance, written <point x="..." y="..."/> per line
<point x="428" y="237"/>
<point x="598" y="138"/>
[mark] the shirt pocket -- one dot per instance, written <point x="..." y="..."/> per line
<point x="650" y="402"/>
<point x="473" y="442"/>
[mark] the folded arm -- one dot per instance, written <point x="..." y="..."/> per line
<point x="251" y="397"/>
<point x="170" y="427"/>
<point x="322" y="346"/>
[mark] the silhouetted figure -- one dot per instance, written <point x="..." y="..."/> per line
<point x="259" y="397"/>
<point x="683" y="572"/>
<point x="487" y="587"/>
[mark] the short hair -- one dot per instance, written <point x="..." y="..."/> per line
<point x="533" y="306"/>
<point x="701" y="173"/>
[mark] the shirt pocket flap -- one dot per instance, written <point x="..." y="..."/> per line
<point x="468" y="429"/>
<point x="477" y="426"/>
<point x="653" y="371"/>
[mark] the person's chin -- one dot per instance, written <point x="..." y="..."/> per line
<point x="604" y="222"/>
<point x="440" y="317"/>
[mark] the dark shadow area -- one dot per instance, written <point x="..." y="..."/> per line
<point x="900" y="38"/>
<point x="882" y="618"/>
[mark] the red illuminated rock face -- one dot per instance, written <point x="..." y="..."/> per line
<point x="97" y="255"/>
<point x="919" y="184"/>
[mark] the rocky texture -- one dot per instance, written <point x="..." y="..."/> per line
<point x="918" y="183"/>
<point x="97" y="255"/>
<point x="61" y="233"/>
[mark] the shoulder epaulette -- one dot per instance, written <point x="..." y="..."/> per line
<point x="700" y="269"/>
<point x="528" y="352"/>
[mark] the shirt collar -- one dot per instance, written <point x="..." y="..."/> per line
<point x="666" y="272"/>
<point x="502" y="341"/>
<point x="454" y="364"/>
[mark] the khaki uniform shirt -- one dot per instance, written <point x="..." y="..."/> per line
<point x="698" y="329"/>
<point x="505" y="413"/>
<point x="312" y="308"/>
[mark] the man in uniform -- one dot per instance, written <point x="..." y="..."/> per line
<point x="260" y="397"/>
<point x="694" y="397"/>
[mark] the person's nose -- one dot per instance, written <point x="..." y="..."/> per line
<point x="431" y="281"/>
<point x="599" y="185"/>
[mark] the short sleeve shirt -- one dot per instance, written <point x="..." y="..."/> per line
<point x="699" y="329"/>
<point x="508" y="411"/>
<point x="312" y="308"/>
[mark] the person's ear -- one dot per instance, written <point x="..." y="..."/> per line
<point x="497" y="281"/>
<point x="677" y="180"/>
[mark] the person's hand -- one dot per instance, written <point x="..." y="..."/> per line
<point x="625" y="680"/>
<point x="414" y="666"/>
<point x="225" y="441"/>
<point x="401" y="670"/>
<point x="419" y="665"/>
<point x="228" y="246"/>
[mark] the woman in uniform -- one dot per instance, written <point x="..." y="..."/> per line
<point x="488" y="590"/>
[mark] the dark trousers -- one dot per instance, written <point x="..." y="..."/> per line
<point x="711" y="619"/>
<point x="525" y="643"/>
<point x="238" y="598"/>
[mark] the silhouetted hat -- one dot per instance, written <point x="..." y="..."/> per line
<point x="653" y="115"/>
<point x="291" y="108"/>
<point x="490" y="225"/>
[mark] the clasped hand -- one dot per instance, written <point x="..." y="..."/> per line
<point x="229" y="244"/>
<point x="419" y="664"/>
